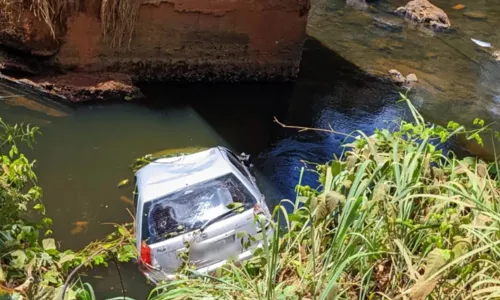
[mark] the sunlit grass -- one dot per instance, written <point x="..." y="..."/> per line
<point x="393" y="218"/>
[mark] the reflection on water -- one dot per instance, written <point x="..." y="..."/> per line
<point x="459" y="80"/>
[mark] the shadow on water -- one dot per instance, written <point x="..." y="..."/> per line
<point x="330" y="91"/>
<point x="81" y="157"/>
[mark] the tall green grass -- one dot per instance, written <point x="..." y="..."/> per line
<point x="393" y="218"/>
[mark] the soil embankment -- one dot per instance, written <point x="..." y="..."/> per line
<point x="155" y="40"/>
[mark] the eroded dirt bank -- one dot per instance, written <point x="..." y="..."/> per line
<point x="160" y="40"/>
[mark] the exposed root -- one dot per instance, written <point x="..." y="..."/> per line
<point x="117" y="16"/>
<point x="63" y="9"/>
<point x="118" y="20"/>
<point x="52" y="12"/>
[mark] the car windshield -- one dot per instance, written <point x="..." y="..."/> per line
<point x="191" y="207"/>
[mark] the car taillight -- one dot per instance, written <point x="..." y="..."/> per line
<point x="145" y="253"/>
<point x="257" y="209"/>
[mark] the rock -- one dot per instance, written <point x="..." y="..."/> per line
<point x="426" y="13"/>
<point x="476" y="15"/>
<point x="411" y="80"/>
<point x="82" y="87"/>
<point x="396" y="76"/>
<point x="496" y="55"/>
<point x="388" y="24"/>
<point x="109" y="91"/>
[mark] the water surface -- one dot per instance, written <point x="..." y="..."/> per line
<point x="457" y="79"/>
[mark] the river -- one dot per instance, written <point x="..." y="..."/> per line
<point x="85" y="150"/>
<point x="455" y="75"/>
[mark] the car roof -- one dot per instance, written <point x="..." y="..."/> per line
<point x="166" y="175"/>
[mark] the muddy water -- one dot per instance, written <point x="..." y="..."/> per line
<point x="86" y="150"/>
<point x="456" y="76"/>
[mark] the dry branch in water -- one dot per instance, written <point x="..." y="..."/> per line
<point x="302" y="129"/>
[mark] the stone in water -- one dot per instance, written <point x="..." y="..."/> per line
<point x="496" y="55"/>
<point x="396" y="76"/>
<point x="424" y="12"/>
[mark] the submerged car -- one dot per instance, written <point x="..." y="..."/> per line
<point x="193" y="208"/>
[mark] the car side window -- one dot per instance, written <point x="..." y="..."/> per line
<point x="237" y="163"/>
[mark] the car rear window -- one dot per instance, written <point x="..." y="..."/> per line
<point x="191" y="207"/>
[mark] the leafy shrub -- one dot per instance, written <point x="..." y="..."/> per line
<point x="32" y="267"/>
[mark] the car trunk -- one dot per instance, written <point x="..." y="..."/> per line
<point x="220" y="241"/>
<point x="203" y="224"/>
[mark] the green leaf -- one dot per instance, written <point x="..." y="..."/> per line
<point x="469" y="161"/>
<point x="128" y="98"/>
<point x="39" y="206"/>
<point x="66" y="258"/>
<point x="49" y="244"/>
<point x="19" y="259"/>
<point x="497" y="135"/>
<point x="241" y="234"/>
<point x="289" y="291"/>
<point x="122" y="231"/>
<point x="98" y="259"/>
<point x="296" y="217"/>
<point x="234" y="205"/>
<point x="478" y="121"/>
<point x="337" y="167"/>
<point x="124" y="182"/>
<point x="328" y="179"/>
<point x="70" y="294"/>
<point x="51" y="277"/>
<point x="2" y="275"/>
<point x="47" y="221"/>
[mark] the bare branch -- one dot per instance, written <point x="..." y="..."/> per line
<point x="302" y="129"/>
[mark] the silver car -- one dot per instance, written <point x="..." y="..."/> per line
<point x="195" y="209"/>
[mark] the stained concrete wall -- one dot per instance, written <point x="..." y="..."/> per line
<point x="224" y="40"/>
